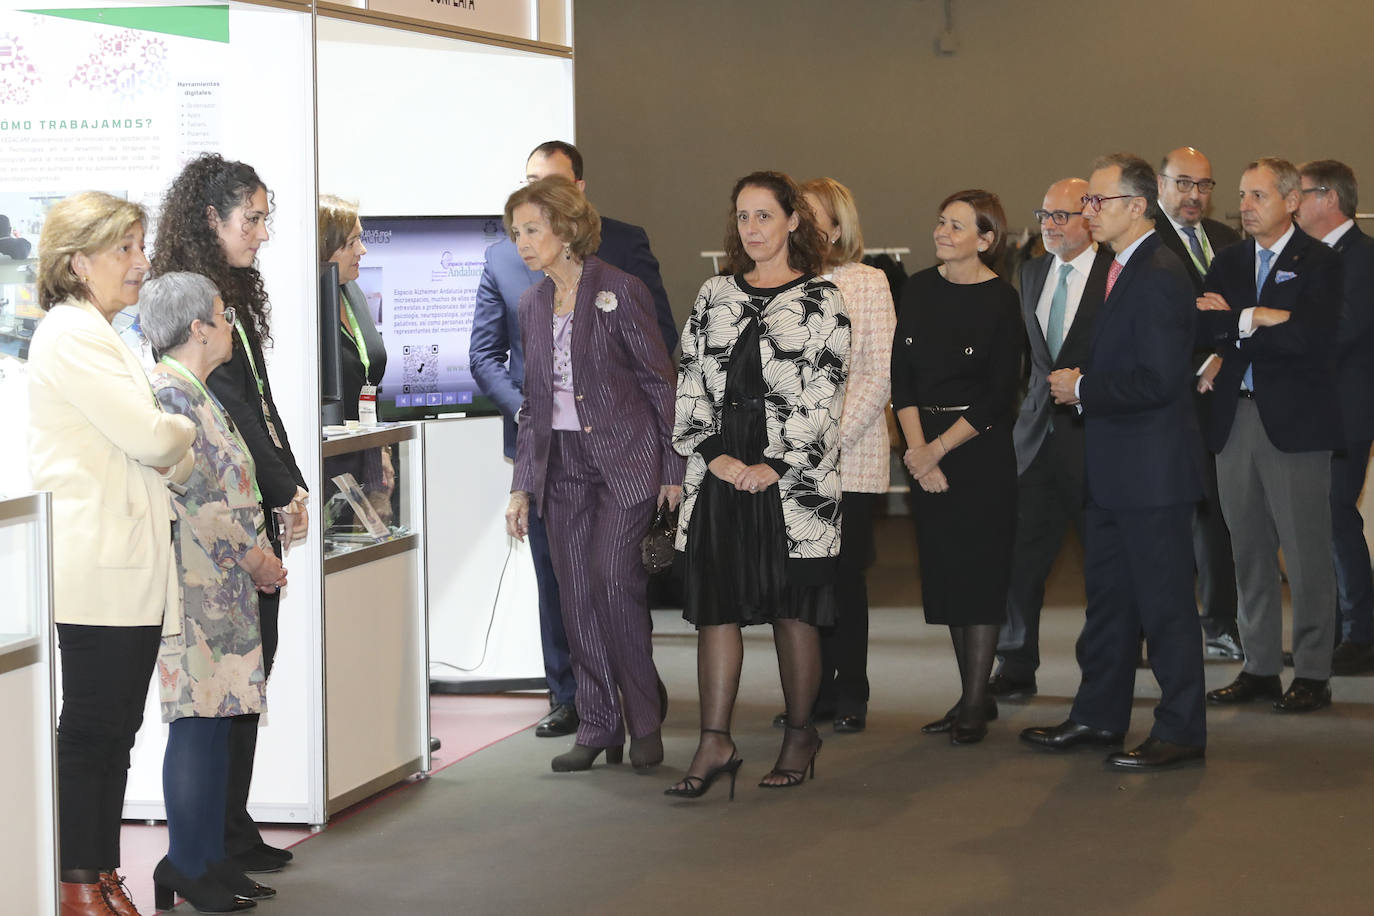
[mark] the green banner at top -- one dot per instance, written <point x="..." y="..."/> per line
<point x="210" y="23"/>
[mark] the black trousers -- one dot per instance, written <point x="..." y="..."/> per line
<point x="105" y="676"/>
<point x="240" y="833"/>
<point x="1138" y="574"/>
<point x="844" y="647"/>
<point x="1049" y="499"/>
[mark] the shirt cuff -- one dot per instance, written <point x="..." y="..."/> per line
<point x="778" y="465"/>
<point x="711" y="448"/>
<point x="1205" y="363"/>
<point x="1247" y="318"/>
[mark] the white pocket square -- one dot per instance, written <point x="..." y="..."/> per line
<point x="1283" y="276"/>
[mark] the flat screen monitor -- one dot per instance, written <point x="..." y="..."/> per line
<point x="420" y="276"/>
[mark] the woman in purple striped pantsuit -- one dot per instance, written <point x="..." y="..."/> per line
<point x="593" y="455"/>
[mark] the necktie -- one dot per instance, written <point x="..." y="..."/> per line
<point x="1112" y="274"/>
<point x="1266" y="258"/>
<point x="1059" y="304"/>
<point x="1195" y="243"/>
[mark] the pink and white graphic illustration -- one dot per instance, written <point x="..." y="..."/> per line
<point x="127" y="64"/>
<point x="18" y="75"/>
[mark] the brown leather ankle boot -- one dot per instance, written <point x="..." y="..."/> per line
<point x="83" y="900"/>
<point x="117" y="894"/>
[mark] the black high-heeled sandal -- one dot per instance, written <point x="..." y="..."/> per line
<point x="795" y="778"/>
<point x="696" y="786"/>
<point x="582" y="756"/>
<point x="205" y="893"/>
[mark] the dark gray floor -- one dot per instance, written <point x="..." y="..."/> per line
<point x="1278" y="821"/>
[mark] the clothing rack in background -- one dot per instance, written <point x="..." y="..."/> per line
<point x="895" y="253"/>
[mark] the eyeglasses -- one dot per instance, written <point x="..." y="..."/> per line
<point x="1058" y="217"/>
<point x="1320" y="189"/>
<point x="1094" y="202"/>
<point x="229" y="314"/>
<point x="1205" y="185"/>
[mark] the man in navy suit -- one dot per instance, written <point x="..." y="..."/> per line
<point x="1272" y="308"/>
<point x="1060" y="295"/>
<point x="1327" y="212"/>
<point x="498" y="365"/>
<point x="1185" y="191"/>
<point x="1143" y="482"/>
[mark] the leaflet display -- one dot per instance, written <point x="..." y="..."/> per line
<point x="420" y="276"/>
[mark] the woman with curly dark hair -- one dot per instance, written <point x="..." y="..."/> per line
<point x="213" y="220"/>
<point x="760" y="388"/>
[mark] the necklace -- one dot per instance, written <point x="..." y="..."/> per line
<point x="563" y="298"/>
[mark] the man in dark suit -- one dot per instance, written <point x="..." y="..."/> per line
<point x="1185" y="191"/>
<point x="498" y="366"/>
<point x="1142" y="485"/>
<point x="1327" y="212"/>
<point x="1060" y="295"/>
<point x="1272" y="308"/>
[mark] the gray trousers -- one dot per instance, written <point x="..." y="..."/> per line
<point x="1272" y="500"/>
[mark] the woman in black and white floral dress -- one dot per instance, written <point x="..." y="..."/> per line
<point x="760" y="390"/>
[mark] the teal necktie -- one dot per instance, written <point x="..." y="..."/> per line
<point x="1059" y="304"/>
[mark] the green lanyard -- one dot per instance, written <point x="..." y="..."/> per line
<point x="359" y="342"/>
<point x="252" y="363"/>
<point x="221" y="416"/>
<point x="1206" y="250"/>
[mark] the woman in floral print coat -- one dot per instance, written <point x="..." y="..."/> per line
<point x="760" y="391"/>
<point x="210" y="665"/>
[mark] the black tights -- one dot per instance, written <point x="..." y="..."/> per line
<point x="720" y="656"/>
<point x="974" y="648"/>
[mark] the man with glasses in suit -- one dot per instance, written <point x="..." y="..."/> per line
<point x="1185" y="193"/>
<point x="1142" y="484"/>
<point x="1060" y="294"/>
<point x="1327" y="212"/>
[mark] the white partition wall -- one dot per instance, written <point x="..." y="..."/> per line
<point x="417" y="125"/>
<point x="267" y="120"/>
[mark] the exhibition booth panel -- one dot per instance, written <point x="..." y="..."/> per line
<point x="28" y="840"/>
<point x="376" y="692"/>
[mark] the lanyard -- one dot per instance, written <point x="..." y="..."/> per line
<point x="219" y="415"/>
<point x="359" y="342"/>
<point x="1206" y="250"/>
<point x="252" y="363"/>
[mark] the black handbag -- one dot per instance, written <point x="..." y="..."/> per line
<point x="656" y="550"/>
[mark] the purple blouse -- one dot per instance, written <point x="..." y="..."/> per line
<point x="564" y="404"/>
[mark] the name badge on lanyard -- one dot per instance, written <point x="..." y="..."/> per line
<point x="367" y="406"/>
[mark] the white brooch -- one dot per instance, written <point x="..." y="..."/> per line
<point x="606" y="301"/>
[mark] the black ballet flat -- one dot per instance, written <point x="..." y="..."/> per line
<point x="946" y="722"/>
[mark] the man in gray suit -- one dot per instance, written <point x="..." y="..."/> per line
<point x="1185" y="192"/>
<point x="1060" y="294"/>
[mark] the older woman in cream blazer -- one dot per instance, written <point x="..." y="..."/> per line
<point x="101" y="445"/>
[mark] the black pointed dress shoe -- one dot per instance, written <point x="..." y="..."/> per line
<point x="1305" y="694"/>
<point x="1352" y="658"/>
<point x="1156" y="754"/>
<point x="1068" y="735"/>
<point x="851" y="723"/>
<point x="561" y="720"/>
<point x="1004" y="687"/>
<point x="1247" y="688"/>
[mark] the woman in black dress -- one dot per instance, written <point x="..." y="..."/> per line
<point x="956" y="361"/>
<point x="213" y="221"/>
<point x="760" y="389"/>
